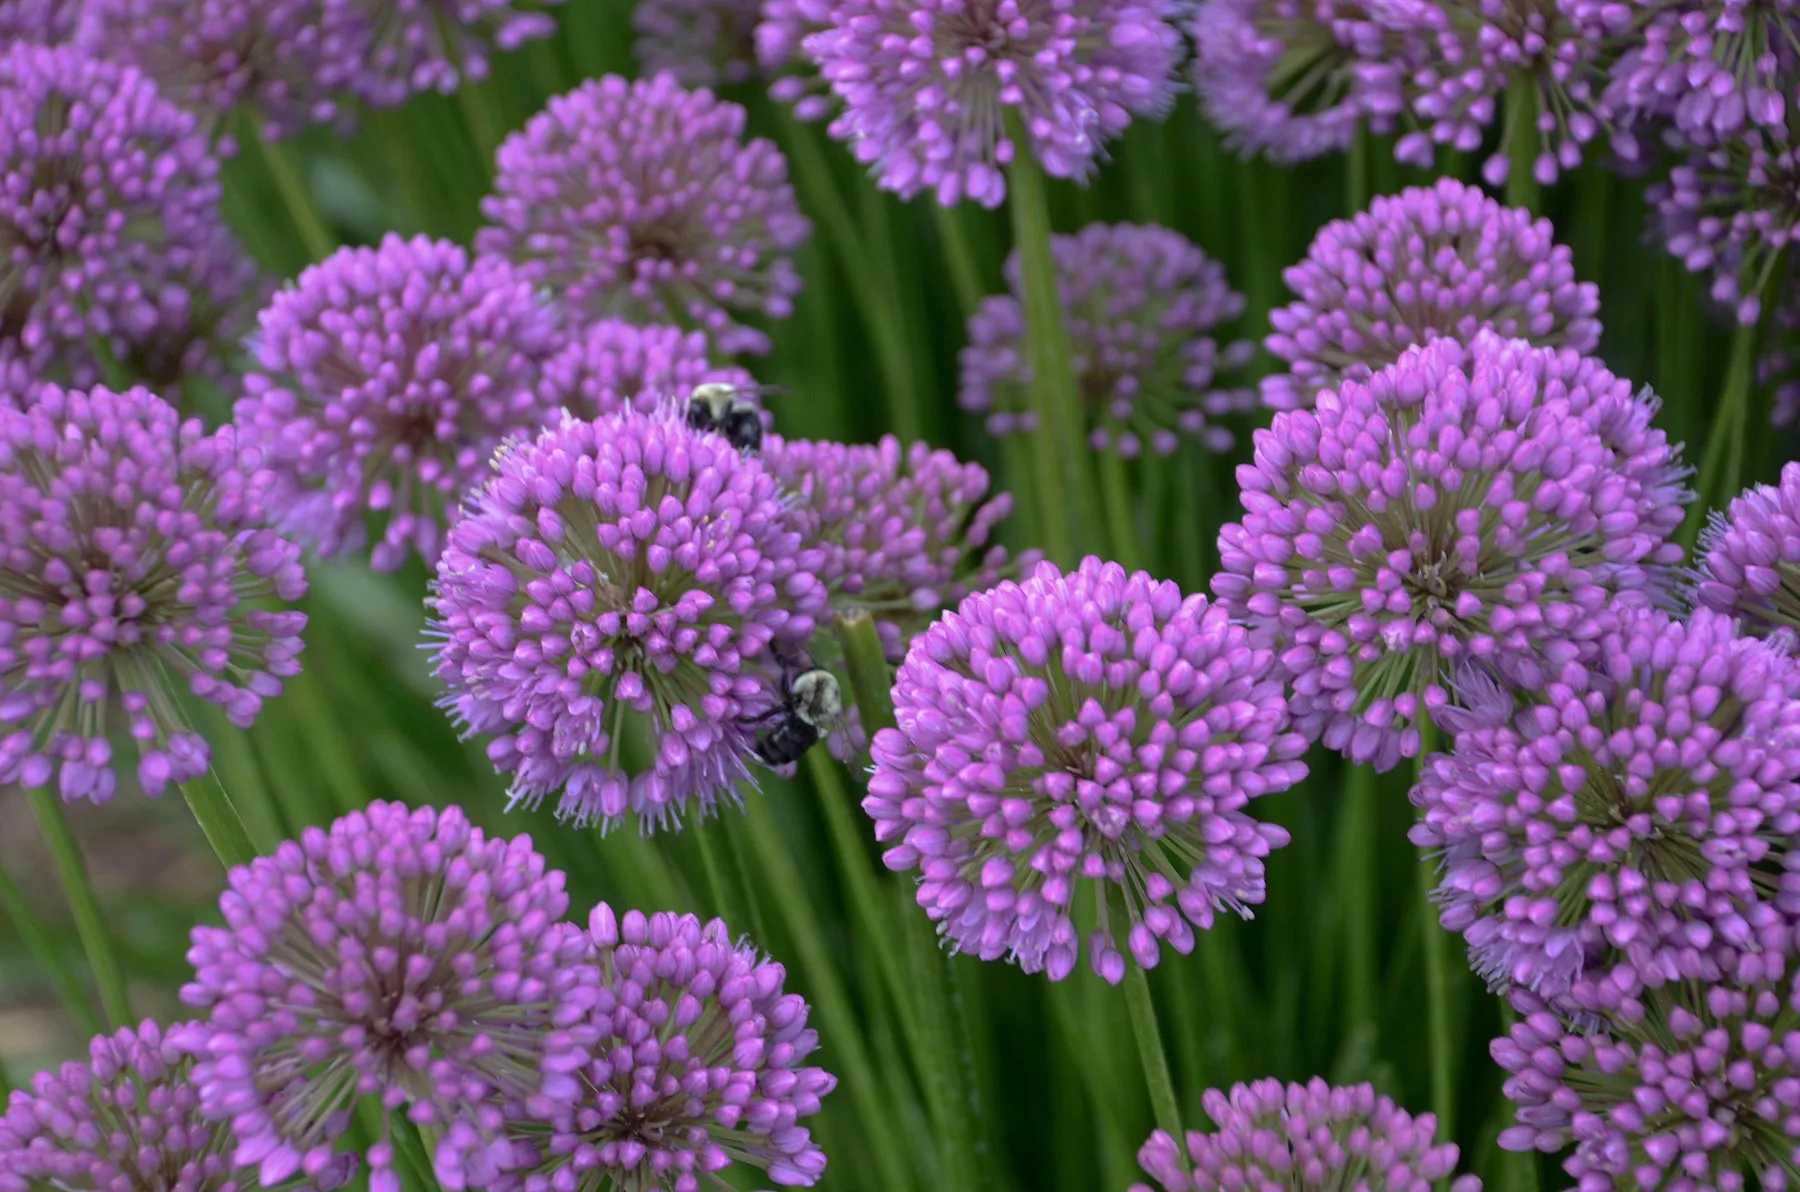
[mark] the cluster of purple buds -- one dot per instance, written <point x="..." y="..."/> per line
<point x="781" y="37"/>
<point x="385" y="378"/>
<point x="1094" y="727"/>
<point x="1630" y="814"/>
<point x="439" y="45"/>
<point x="400" y="956"/>
<point x="613" y="365"/>
<point x="1141" y="306"/>
<point x="936" y="93"/>
<point x="1431" y="261"/>
<point x="695" y="1061"/>
<point x="131" y="556"/>
<point x="1479" y="510"/>
<point x="46" y="22"/>
<point x="1310" y="1137"/>
<point x="1749" y="559"/>
<point x="1731" y="212"/>
<point x="703" y="43"/>
<point x="642" y="201"/>
<point x="607" y="604"/>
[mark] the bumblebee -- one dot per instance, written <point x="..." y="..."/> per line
<point x="719" y="409"/>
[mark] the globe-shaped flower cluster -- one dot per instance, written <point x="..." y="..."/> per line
<point x="1749" y="559"/>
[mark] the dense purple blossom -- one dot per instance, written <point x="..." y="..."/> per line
<point x="46" y="22"/>
<point x="1489" y="506"/>
<point x="131" y="558"/>
<point x="127" y="1120"/>
<point x="620" y="577"/>
<point x="1431" y="261"/>
<point x="934" y="90"/>
<point x="642" y="201"/>
<point x="613" y="365"/>
<point x="697" y="1062"/>
<point x="1699" y="1091"/>
<point x="109" y="211"/>
<point x="1308" y="1137"/>
<point x="1141" y="305"/>
<point x="1644" y="798"/>
<point x="701" y="42"/>
<point x="439" y="45"/>
<point x="1293" y="79"/>
<point x="401" y="956"/>
<point x="293" y="61"/>
<point x="1094" y="726"/>
<point x="385" y="378"/>
<point x="1731" y="212"/>
<point x="1749" y="559"/>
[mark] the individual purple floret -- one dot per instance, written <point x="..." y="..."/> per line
<point x="1094" y="726"/>
<point x="131" y="560"/>
<point x="46" y="22"/>
<point x="1731" y="212"/>
<point x="1431" y="261"/>
<point x="1490" y="507"/>
<point x="1293" y="79"/>
<point x="1749" y="559"/>
<point x="1658" y="782"/>
<point x="934" y="91"/>
<point x="1308" y="1137"/>
<point x="109" y="211"/>
<point x="697" y="1063"/>
<point x="127" y="1120"/>
<point x="703" y="43"/>
<point x="1141" y="305"/>
<point x="293" y="61"/>
<point x="439" y="45"/>
<point x="614" y="365"/>
<point x="385" y="378"/>
<point x="620" y="585"/>
<point x="401" y="957"/>
<point x="1700" y="1091"/>
<point x="642" y="201"/>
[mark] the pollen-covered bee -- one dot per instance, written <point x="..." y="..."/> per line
<point x="719" y="408"/>
<point x="811" y="703"/>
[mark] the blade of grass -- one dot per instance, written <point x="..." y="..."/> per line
<point x="284" y="171"/>
<point x="37" y="941"/>
<point x="218" y="820"/>
<point x="90" y="923"/>
<point x="1115" y="496"/>
<point x="1520" y="135"/>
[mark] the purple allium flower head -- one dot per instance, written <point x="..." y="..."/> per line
<point x="399" y="955"/>
<point x="697" y="1062"/>
<point x="1749" y="559"/>
<point x="131" y="557"/>
<point x="438" y="45"/>
<point x="1731" y="212"/>
<point x="1700" y="1091"/>
<point x="642" y="201"/>
<point x="385" y="378"/>
<point x="1491" y="505"/>
<point x="109" y="211"/>
<point x="294" y="61"/>
<point x="1657" y="782"/>
<point x="1431" y="261"/>
<point x="621" y="575"/>
<point x="614" y="365"/>
<point x="126" y="1120"/>
<point x="928" y="86"/>
<point x="1141" y="305"/>
<point x="701" y="42"/>
<point x="1091" y="726"/>
<point x="1308" y="1137"/>
<point x="46" y="22"/>
<point x="1292" y="79"/>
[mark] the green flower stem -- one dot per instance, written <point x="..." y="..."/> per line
<point x="871" y="679"/>
<point x="1115" y="495"/>
<point x="90" y="924"/>
<point x="1058" y="457"/>
<point x="219" y="820"/>
<point x="37" y="941"/>
<point x="1721" y="468"/>
<point x="1150" y="1050"/>
<point x="302" y="210"/>
<point x="1026" y="519"/>
<point x="964" y="276"/>
<point x="484" y="127"/>
<point x="1437" y="984"/>
<point x="1357" y="841"/>
<point x="1521" y="136"/>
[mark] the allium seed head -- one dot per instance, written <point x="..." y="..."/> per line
<point x="1431" y="261"/>
<point x="619" y="579"/>
<point x="703" y="43"/>
<point x="1749" y="559"/>
<point x="1094" y="726"/>
<point x="400" y="956"/>
<point x="1312" y="1137"/>
<point x="1141" y="306"/>
<point x="697" y="1057"/>
<point x="642" y="201"/>
<point x="385" y="378"/>
<point x="934" y="90"/>
<point x="1489" y="507"/>
<point x="131" y="558"/>
<point x="614" y="365"/>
